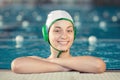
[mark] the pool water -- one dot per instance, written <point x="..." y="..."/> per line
<point x="103" y="22"/>
<point x="109" y="51"/>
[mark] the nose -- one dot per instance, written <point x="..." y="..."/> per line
<point x="64" y="35"/>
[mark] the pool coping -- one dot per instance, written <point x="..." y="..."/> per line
<point x="74" y="75"/>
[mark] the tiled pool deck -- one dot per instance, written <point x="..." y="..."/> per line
<point x="108" y="75"/>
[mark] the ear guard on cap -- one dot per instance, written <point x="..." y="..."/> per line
<point x="45" y="33"/>
<point x="74" y="32"/>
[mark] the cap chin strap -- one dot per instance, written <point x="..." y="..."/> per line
<point x="59" y="51"/>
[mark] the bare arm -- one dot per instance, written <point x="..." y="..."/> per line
<point x="34" y="65"/>
<point x="82" y="64"/>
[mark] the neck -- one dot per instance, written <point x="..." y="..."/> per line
<point x="54" y="53"/>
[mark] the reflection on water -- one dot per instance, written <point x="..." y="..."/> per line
<point x="109" y="51"/>
<point x="20" y="32"/>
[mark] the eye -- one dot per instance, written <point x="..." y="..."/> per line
<point x="69" y="31"/>
<point x="56" y="30"/>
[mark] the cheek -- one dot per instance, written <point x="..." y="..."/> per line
<point x="71" y="37"/>
<point x="52" y="38"/>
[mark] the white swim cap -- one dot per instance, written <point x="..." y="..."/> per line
<point x="57" y="15"/>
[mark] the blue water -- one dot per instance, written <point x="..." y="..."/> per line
<point x="109" y="51"/>
<point x="12" y="18"/>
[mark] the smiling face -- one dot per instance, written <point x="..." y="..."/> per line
<point x="61" y="35"/>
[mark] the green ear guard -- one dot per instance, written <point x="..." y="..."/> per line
<point x="45" y="33"/>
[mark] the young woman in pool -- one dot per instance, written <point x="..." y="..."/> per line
<point x="59" y="31"/>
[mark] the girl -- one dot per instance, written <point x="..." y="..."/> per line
<point x="59" y="31"/>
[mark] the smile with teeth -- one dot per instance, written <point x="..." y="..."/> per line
<point x="63" y="42"/>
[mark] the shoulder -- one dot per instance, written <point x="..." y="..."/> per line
<point x="27" y="58"/>
<point x="86" y="58"/>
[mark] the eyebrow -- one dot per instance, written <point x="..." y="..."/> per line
<point x="60" y="27"/>
<point x="57" y="27"/>
<point x="69" y="26"/>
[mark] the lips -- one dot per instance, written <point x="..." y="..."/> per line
<point x="63" y="42"/>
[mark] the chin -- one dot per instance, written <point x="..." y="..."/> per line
<point x="63" y="49"/>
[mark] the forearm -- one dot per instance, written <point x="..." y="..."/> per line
<point x="30" y="65"/>
<point x="82" y="64"/>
